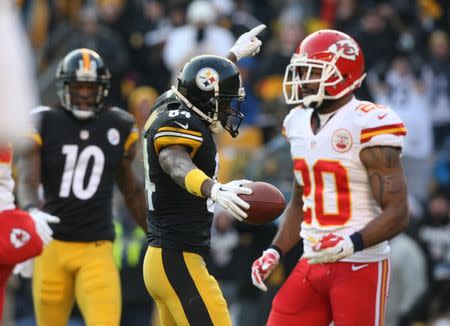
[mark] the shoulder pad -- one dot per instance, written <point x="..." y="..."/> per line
<point x="380" y="126"/>
<point x="122" y="114"/>
<point x="39" y="109"/>
<point x="179" y="117"/>
<point x="177" y="127"/>
<point x="166" y="99"/>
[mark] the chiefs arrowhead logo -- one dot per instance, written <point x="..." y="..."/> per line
<point x="19" y="237"/>
<point x="347" y="48"/>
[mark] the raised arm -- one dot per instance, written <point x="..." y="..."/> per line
<point x="247" y="45"/>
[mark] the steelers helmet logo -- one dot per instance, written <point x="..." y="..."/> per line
<point x="207" y="78"/>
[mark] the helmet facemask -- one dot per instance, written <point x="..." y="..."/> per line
<point x="68" y="97"/>
<point x="229" y="111"/>
<point x="329" y="79"/>
<point x="222" y="112"/>
<point x="82" y="67"/>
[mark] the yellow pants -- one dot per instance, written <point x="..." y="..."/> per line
<point x="84" y="271"/>
<point x="184" y="292"/>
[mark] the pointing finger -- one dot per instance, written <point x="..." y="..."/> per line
<point x="258" y="29"/>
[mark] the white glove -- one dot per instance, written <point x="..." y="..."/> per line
<point x="226" y="195"/>
<point x="41" y="219"/>
<point x="263" y="266"/>
<point x="247" y="45"/>
<point x="331" y="248"/>
<point x="25" y="269"/>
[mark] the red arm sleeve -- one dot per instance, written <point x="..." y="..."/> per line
<point x="18" y="238"/>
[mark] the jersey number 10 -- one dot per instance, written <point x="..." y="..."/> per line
<point x="75" y="171"/>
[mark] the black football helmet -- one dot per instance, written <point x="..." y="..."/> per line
<point x="211" y="86"/>
<point x="82" y="66"/>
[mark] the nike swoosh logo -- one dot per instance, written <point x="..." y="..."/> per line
<point x="184" y="126"/>
<point x="358" y="267"/>
<point x="381" y="116"/>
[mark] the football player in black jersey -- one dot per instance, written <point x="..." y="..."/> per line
<point x="79" y="151"/>
<point x="181" y="165"/>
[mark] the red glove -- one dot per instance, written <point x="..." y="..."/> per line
<point x="263" y="266"/>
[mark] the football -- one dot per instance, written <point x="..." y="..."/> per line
<point x="266" y="203"/>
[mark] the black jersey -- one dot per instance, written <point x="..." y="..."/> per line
<point x="178" y="219"/>
<point x="79" y="163"/>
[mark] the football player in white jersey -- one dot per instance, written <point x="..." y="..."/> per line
<point x="21" y="234"/>
<point x="349" y="192"/>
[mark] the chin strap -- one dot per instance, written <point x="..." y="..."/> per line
<point x="214" y="125"/>
<point x="79" y="114"/>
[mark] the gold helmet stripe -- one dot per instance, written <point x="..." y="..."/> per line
<point x="86" y="60"/>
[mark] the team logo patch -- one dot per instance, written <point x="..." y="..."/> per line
<point x="84" y="134"/>
<point x="19" y="237"/>
<point x="342" y="140"/>
<point x="349" y="49"/>
<point x="207" y="78"/>
<point x="113" y="136"/>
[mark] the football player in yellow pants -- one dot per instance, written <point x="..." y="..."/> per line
<point x="79" y="151"/>
<point x="183" y="290"/>
<point x="180" y="159"/>
<point x="82" y="270"/>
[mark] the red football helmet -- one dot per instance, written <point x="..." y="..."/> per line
<point x="337" y="55"/>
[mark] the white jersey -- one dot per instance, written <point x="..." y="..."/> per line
<point x="18" y="91"/>
<point x="336" y="193"/>
<point x="6" y="180"/>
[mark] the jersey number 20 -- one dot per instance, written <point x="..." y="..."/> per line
<point x="337" y="176"/>
<point x="75" y="171"/>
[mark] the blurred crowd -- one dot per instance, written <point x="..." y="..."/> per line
<point x="145" y="42"/>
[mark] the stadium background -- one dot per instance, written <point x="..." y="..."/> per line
<point x="407" y="52"/>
